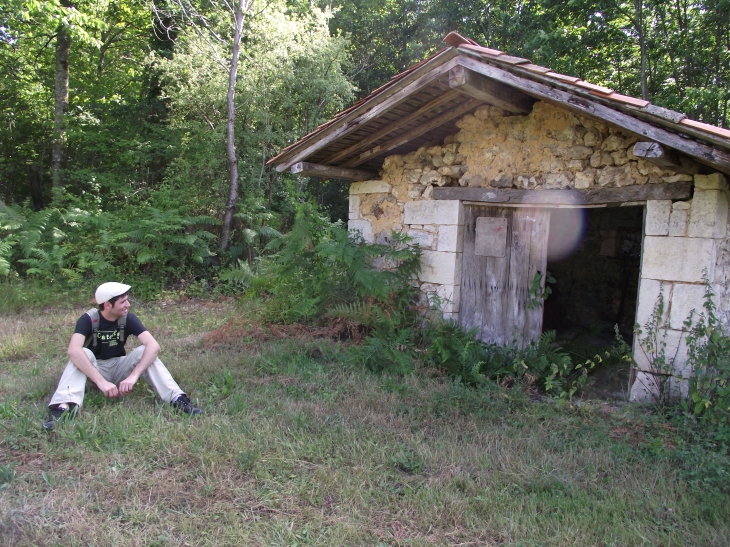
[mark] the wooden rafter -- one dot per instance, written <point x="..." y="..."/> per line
<point x="394" y="126"/>
<point x="331" y="172"/>
<point x="475" y="85"/>
<point x="425" y="127"/>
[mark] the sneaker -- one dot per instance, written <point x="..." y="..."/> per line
<point x="58" y="415"/>
<point x="183" y="403"/>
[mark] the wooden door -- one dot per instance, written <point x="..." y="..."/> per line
<point x="504" y="248"/>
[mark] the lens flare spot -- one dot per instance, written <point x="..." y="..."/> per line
<point x="566" y="232"/>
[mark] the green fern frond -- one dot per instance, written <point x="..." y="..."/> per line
<point x="145" y="256"/>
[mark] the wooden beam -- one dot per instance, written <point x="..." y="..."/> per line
<point x="475" y="85"/>
<point x="591" y="196"/>
<point x="719" y="159"/>
<point x="368" y="110"/>
<point x="415" y="132"/>
<point x="655" y="153"/>
<point x="405" y="120"/>
<point x="330" y="171"/>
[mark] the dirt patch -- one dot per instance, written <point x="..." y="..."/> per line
<point x="639" y="433"/>
<point x="243" y="332"/>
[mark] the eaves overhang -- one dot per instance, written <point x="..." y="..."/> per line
<point x="421" y="106"/>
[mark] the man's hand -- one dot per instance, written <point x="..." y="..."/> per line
<point x="108" y="389"/>
<point x="126" y="385"/>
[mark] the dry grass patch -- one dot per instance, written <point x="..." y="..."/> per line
<point x="297" y="447"/>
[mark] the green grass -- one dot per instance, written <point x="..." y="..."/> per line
<point x="298" y="448"/>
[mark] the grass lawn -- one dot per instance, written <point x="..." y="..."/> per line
<point x="296" y="447"/>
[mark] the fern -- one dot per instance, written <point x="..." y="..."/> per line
<point x="457" y="351"/>
<point x="387" y="349"/>
<point x="551" y="368"/>
<point x="33" y="230"/>
<point x="6" y="248"/>
<point x="238" y="274"/>
<point x="362" y="312"/>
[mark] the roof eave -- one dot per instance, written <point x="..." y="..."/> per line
<point x="397" y="89"/>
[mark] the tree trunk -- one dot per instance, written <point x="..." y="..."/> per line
<point x="35" y="179"/>
<point x="641" y="29"/>
<point x="58" y="154"/>
<point x="230" y="130"/>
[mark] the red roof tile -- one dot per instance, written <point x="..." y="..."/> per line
<point x="482" y="50"/>
<point x="594" y="87"/>
<point x="562" y="77"/>
<point x="513" y="60"/>
<point x="706" y="127"/>
<point x="536" y="68"/>
<point x="633" y="101"/>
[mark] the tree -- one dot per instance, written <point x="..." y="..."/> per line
<point x="289" y="80"/>
<point x="199" y="22"/>
<point x="675" y="54"/>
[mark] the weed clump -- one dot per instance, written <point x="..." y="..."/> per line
<point x="323" y="273"/>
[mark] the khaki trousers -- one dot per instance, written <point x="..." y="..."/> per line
<point x="73" y="382"/>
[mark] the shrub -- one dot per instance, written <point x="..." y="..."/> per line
<point x="69" y="242"/>
<point x="456" y="351"/>
<point x="709" y="356"/>
<point x="322" y="269"/>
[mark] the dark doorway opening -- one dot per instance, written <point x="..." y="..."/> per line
<point x="594" y="255"/>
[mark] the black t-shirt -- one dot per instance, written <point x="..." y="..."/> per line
<point x="107" y="337"/>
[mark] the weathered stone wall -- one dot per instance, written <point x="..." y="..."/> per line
<point x="553" y="148"/>
<point x="549" y="148"/>
<point x="437" y="226"/>
<point x="684" y="244"/>
<point x="721" y="285"/>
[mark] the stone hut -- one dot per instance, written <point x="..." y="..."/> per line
<point x="502" y="170"/>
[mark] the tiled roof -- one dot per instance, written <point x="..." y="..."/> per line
<point x="716" y="138"/>
<point x="359" y="103"/>
<point x="499" y="57"/>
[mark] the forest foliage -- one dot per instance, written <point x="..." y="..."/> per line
<point x="126" y="175"/>
<point x="116" y="127"/>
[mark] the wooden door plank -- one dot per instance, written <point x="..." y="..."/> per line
<point x="494" y="307"/>
<point x="538" y="263"/>
<point x="495" y="290"/>
<point x="485" y="273"/>
<point x="516" y="292"/>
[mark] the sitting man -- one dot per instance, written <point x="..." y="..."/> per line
<point x="96" y="351"/>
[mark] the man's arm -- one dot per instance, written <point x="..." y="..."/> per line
<point x="78" y="357"/>
<point x="151" y="349"/>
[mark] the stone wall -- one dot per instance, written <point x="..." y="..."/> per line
<point x="684" y="243"/>
<point x="437" y="226"/>
<point x="551" y="148"/>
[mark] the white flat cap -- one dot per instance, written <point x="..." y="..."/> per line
<point x="107" y="291"/>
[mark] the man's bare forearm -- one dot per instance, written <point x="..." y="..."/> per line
<point x="148" y="357"/>
<point x="81" y="361"/>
